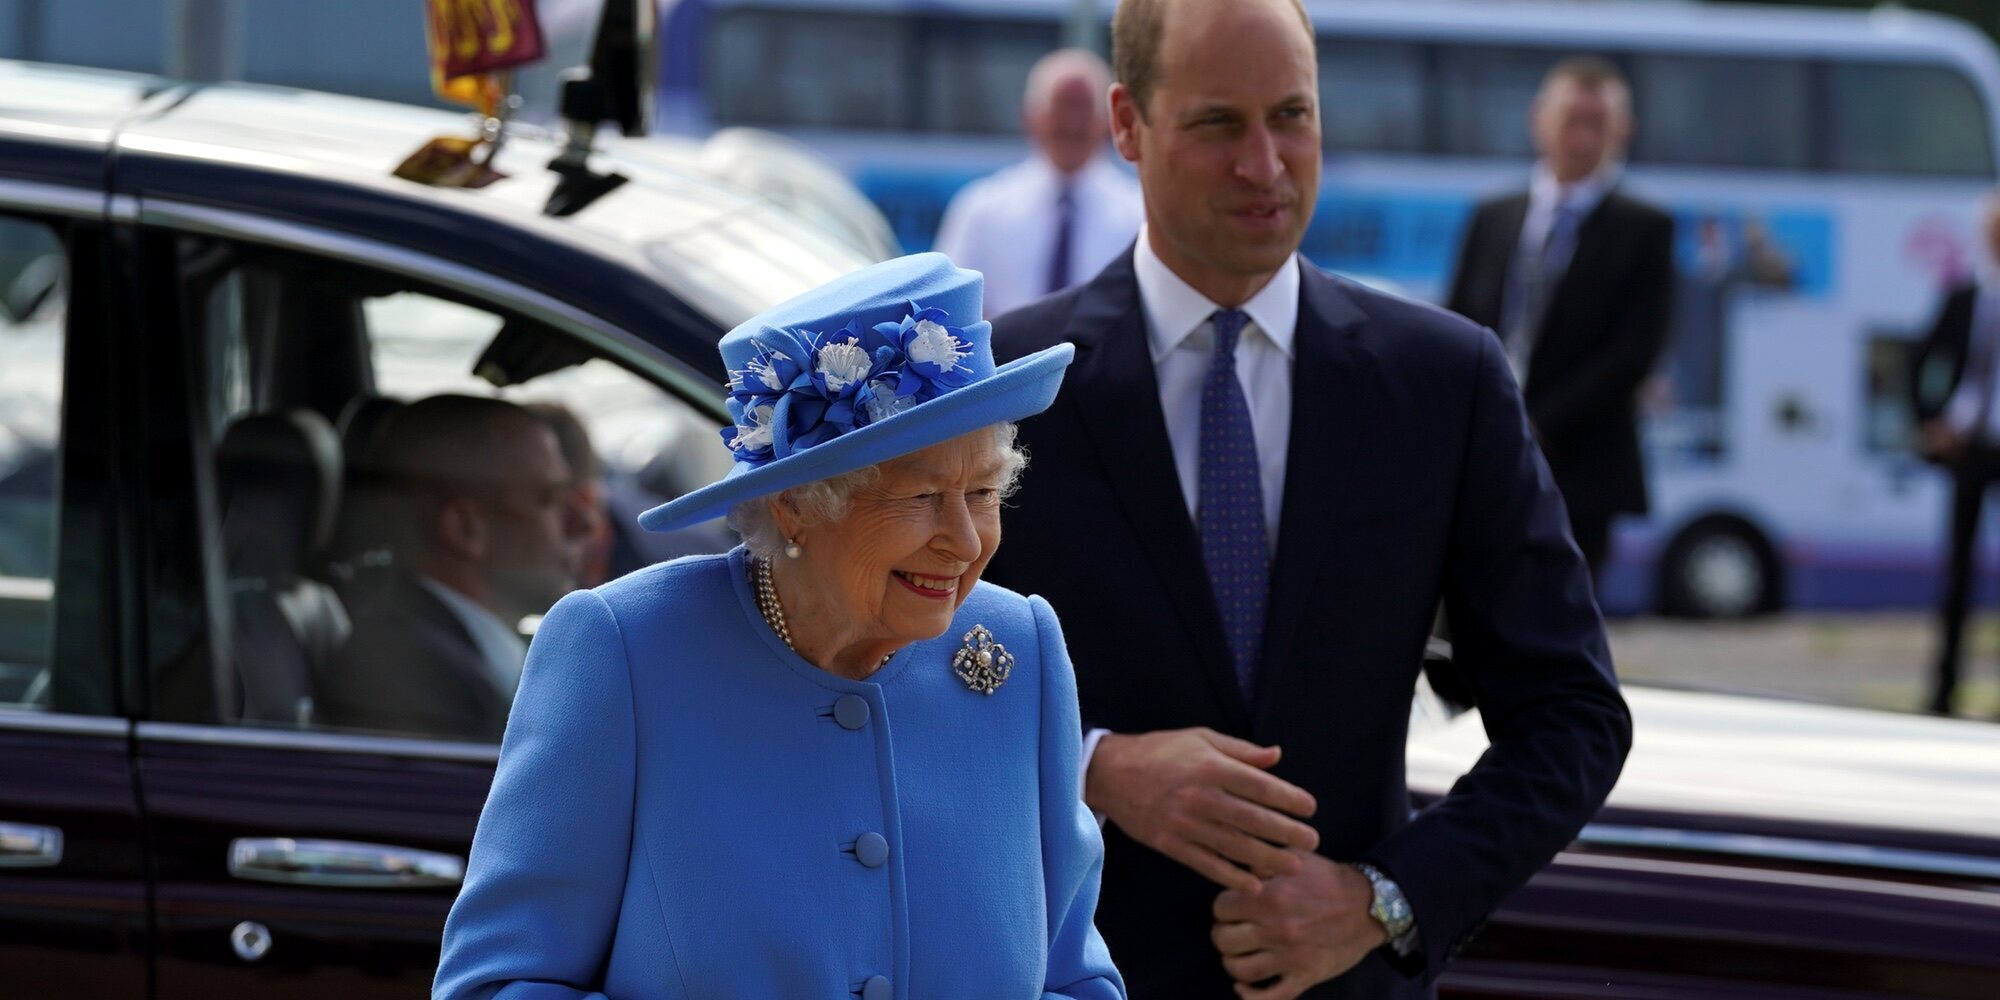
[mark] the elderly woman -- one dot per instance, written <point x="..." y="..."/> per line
<point x="830" y="763"/>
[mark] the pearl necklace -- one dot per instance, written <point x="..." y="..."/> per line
<point x="773" y="612"/>
<point x="767" y="600"/>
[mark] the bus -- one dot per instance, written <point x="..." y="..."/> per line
<point x="1824" y="169"/>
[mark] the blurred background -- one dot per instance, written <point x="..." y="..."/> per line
<point x="1824" y="162"/>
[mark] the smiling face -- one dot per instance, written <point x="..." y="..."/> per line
<point x="896" y="567"/>
<point x="1228" y="144"/>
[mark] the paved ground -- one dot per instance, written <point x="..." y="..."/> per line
<point x="1872" y="660"/>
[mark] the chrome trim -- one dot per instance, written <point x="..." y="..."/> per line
<point x="123" y="208"/>
<point x="318" y="742"/>
<point x="1856" y="884"/>
<point x="52" y="199"/>
<point x="24" y="845"/>
<point x="27" y="588"/>
<point x="1826" y="852"/>
<point x="14" y="720"/>
<point x="342" y="863"/>
<point x="695" y="388"/>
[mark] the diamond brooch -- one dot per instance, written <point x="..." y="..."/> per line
<point x="983" y="664"/>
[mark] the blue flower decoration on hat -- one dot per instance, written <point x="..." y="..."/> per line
<point x="882" y="362"/>
<point x="803" y="388"/>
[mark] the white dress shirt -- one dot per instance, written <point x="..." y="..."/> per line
<point x="1963" y="408"/>
<point x="1544" y="194"/>
<point x="499" y="645"/>
<point x="1182" y="340"/>
<point x="1004" y="225"/>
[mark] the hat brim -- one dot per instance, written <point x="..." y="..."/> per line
<point x="1016" y="390"/>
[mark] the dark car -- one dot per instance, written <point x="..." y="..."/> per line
<point x="185" y="421"/>
<point x="240" y="282"/>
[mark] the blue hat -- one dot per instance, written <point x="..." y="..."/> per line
<point x="886" y="361"/>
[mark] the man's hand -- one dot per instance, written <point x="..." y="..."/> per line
<point x="1204" y="800"/>
<point x="1302" y="930"/>
<point x="1938" y="442"/>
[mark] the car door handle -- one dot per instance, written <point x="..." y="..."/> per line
<point x="26" y="846"/>
<point x="341" y="863"/>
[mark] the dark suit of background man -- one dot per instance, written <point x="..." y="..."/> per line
<point x="479" y="508"/>
<point x="1578" y="280"/>
<point x="1953" y="392"/>
<point x="1257" y="484"/>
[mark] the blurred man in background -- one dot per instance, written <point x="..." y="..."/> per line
<point x="1578" y="280"/>
<point x="482" y="517"/>
<point x="598" y="538"/>
<point x="1953" y="398"/>
<point x="1055" y="219"/>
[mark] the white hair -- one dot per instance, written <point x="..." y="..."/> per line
<point x="827" y="500"/>
<point x="1062" y="65"/>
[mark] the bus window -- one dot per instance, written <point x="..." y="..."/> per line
<point x="1722" y="111"/>
<point x="796" y="68"/>
<point x="974" y="72"/>
<point x="1371" y="96"/>
<point x="1899" y="118"/>
<point x="1484" y="93"/>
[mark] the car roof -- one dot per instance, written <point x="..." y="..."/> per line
<point x="325" y="162"/>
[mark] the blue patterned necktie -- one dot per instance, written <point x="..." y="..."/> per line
<point x="1230" y="505"/>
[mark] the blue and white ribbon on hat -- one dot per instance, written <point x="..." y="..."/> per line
<point x="803" y="388"/>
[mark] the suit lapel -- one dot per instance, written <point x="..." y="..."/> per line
<point x="1333" y="394"/>
<point x="1112" y="393"/>
<point x="1594" y="239"/>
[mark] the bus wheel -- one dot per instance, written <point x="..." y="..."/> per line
<point x="1719" y="568"/>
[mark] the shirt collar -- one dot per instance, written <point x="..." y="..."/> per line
<point x="1581" y="196"/>
<point x="498" y="644"/>
<point x="1174" y="310"/>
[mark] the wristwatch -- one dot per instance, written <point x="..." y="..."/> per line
<point x="1389" y="909"/>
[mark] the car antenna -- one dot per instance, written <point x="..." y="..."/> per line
<point x="617" y="86"/>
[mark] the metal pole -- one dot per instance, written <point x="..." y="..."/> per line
<point x="204" y="39"/>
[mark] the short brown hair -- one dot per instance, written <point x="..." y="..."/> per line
<point x="1136" y="30"/>
<point x="1587" y="71"/>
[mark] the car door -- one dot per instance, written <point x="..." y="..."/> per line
<point x="72" y="877"/>
<point x="310" y="825"/>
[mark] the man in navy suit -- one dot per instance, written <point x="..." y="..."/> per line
<point x="1257" y="484"/>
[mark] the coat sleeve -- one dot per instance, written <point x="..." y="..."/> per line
<point x="546" y="878"/>
<point x="1630" y="348"/>
<point x="1528" y="639"/>
<point x="1939" y="361"/>
<point x="1079" y="964"/>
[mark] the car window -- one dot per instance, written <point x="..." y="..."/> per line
<point x="789" y="68"/>
<point x="1483" y="91"/>
<point x="1910" y="119"/>
<point x="404" y="479"/>
<point x="32" y="312"/>
<point x="1690" y="110"/>
<point x="1371" y="96"/>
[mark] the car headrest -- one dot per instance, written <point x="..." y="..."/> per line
<point x="280" y="477"/>
<point x="360" y="421"/>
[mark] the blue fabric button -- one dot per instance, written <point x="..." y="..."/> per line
<point x="851" y="711"/>
<point x="872" y="849"/>
<point x="877" y="987"/>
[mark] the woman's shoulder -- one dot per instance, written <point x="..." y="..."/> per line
<point x="993" y="606"/>
<point x="689" y="582"/>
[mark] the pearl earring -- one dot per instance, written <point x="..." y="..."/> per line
<point x="793" y="549"/>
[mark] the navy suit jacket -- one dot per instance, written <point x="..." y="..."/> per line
<point x="1412" y="478"/>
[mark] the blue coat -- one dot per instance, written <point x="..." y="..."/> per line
<point x="686" y="808"/>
